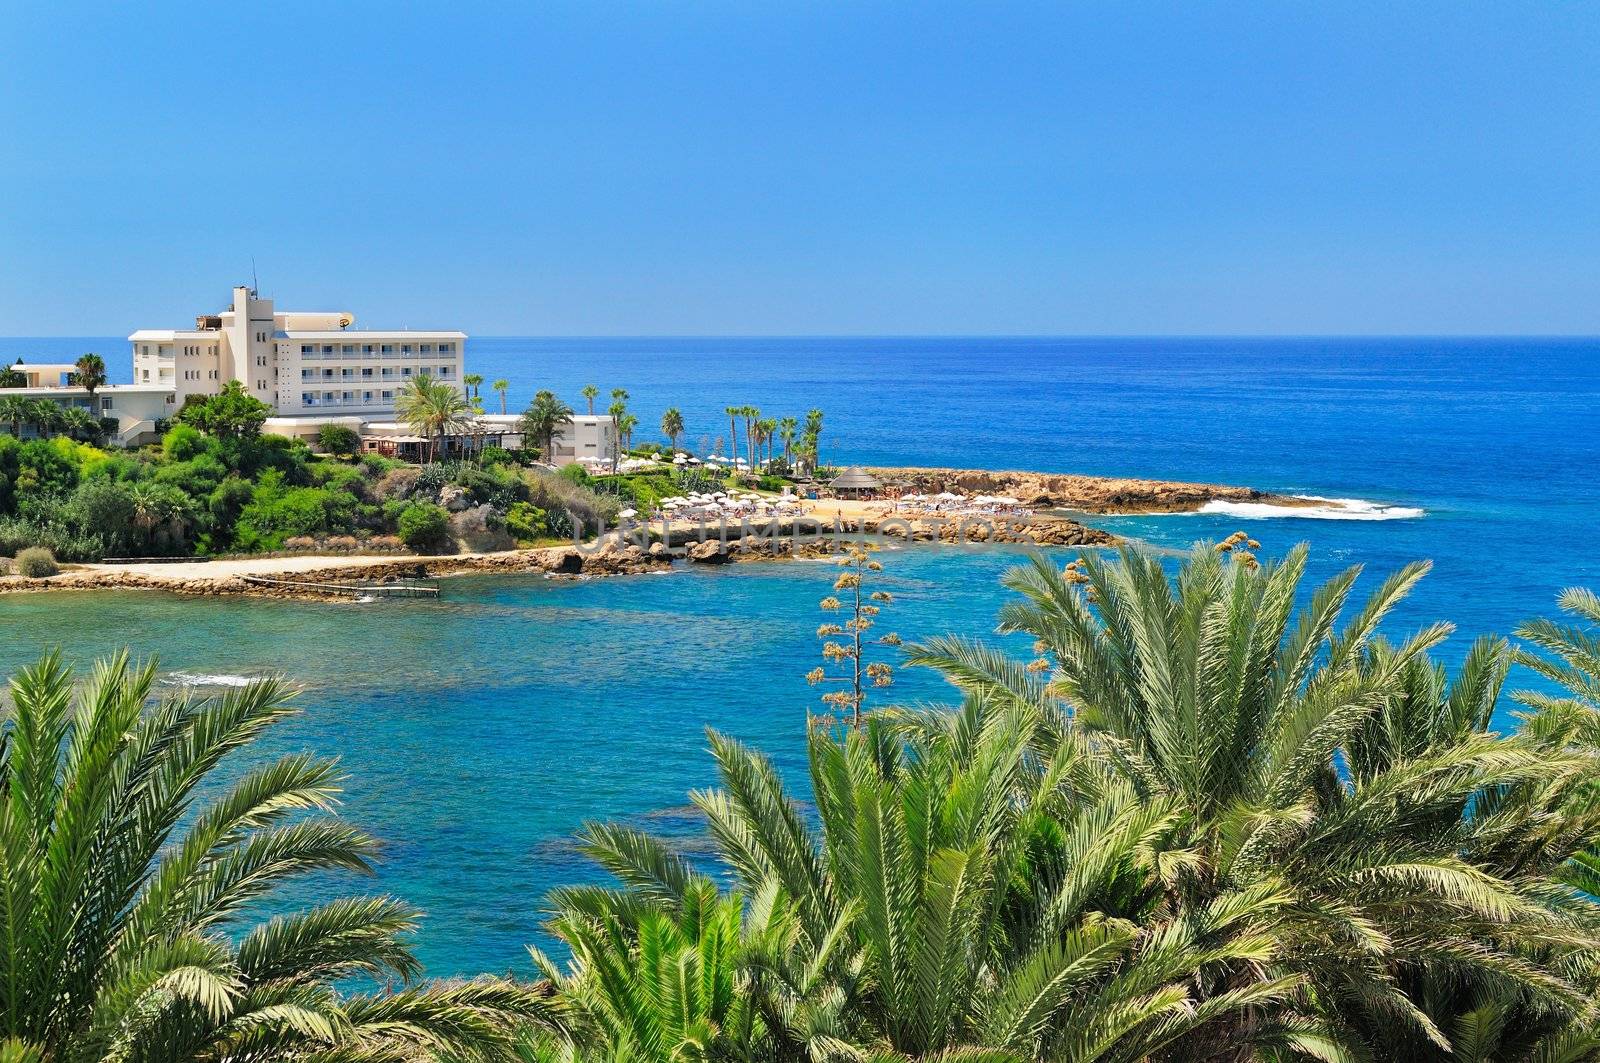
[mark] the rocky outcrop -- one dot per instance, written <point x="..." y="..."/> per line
<point x="481" y="529"/>
<point x="1090" y="494"/>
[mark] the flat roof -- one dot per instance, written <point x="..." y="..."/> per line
<point x="348" y="334"/>
<point x="174" y="334"/>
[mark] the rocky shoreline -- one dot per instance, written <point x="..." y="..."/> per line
<point x="1087" y="494"/>
<point x="642" y="549"/>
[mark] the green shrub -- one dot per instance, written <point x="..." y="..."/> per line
<point x="5" y="566"/>
<point x="339" y="439"/>
<point x="526" y="522"/>
<point x="36" y="563"/>
<point x="424" y="527"/>
<point x="183" y="442"/>
<point x="576" y="474"/>
<point x="772" y="483"/>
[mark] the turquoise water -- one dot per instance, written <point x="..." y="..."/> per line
<point x="479" y="731"/>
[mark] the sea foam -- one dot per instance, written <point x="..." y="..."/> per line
<point x="1328" y="509"/>
<point x="193" y="679"/>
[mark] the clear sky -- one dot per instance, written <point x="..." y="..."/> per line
<point x="745" y="167"/>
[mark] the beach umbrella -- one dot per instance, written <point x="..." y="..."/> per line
<point x="625" y="514"/>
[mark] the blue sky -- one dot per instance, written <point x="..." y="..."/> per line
<point x="855" y="167"/>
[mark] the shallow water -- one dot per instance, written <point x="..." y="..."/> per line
<point x="481" y="729"/>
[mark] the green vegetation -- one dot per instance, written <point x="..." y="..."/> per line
<point x="128" y="900"/>
<point x="1201" y="824"/>
<point x="215" y="485"/>
<point x="339" y="440"/>
<point x="424" y="527"/>
<point x="36" y="563"/>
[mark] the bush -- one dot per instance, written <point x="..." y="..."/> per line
<point x="425" y="527"/>
<point x="36" y="563"/>
<point x="5" y="566"/>
<point x="526" y="522"/>
<point x="183" y="442"/>
<point x="576" y="474"/>
<point x="397" y="483"/>
<point x="339" y="439"/>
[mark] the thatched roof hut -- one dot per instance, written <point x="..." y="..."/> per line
<point x="854" y="482"/>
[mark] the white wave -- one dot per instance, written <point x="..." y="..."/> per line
<point x="194" y="679"/>
<point x="1327" y="509"/>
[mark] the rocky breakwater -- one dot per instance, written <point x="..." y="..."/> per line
<point x="1089" y="494"/>
<point x="1036" y="530"/>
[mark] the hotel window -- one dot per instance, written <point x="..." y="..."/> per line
<point x="366" y="396"/>
<point x="327" y="374"/>
<point x="308" y="348"/>
<point x="447" y="348"/>
<point x="405" y="371"/>
<point x="327" y="396"/>
<point x="388" y="348"/>
<point x="367" y="348"/>
<point x="307" y="399"/>
<point x="105" y="405"/>
<point x="366" y="370"/>
<point x="306" y="374"/>
<point x="348" y="395"/>
<point x="347" y="372"/>
<point x="427" y="348"/>
<point x="147" y="376"/>
<point x="387" y="372"/>
<point x="388" y="395"/>
<point x="327" y="348"/>
<point x="405" y="348"/>
<point x="348" y="348"/>
<point x="444" y="370"/>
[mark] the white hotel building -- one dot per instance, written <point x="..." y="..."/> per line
<point x="311" y="367"/>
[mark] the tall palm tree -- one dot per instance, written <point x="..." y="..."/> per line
<point x="672" y="425"/>
<point x="433" y="410"/>
<point x="89" y="373"/>
<point x="591" y="393"/>
<point x="128" y="900"/>
<point x="787" y="427"/>
<point x="473" y="382"/>
<point x="733" y="430"/>
<point x="502" y="386"/>
<point x="767" y="429"/>
<point x="80" y="424"/>
<point x="1317" y="760"/>
<point x="543" y="420"/>
<point x="750" y="415"/>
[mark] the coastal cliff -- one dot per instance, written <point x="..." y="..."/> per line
<point x="1089" y="494"/>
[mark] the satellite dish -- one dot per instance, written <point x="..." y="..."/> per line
<point x="345" y="321"/>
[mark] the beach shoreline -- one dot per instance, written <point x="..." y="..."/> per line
<point x="654" y="546"/>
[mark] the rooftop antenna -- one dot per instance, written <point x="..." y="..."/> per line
<point x="255" y="285"/>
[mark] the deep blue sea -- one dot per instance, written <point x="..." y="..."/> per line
<point x="480" y="730"/>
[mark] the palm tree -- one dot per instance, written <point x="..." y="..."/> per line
<point x="128" y="913"/>
<point x="80" y="424"/>
<point x="433" y="410"/>
<point x="502" y="386"/>
<point x="591" y="393"/>
<point x="786" y="427"/>
<point x="733" y="430"/>
<point x="957" y="893"/>
<point x="14" y="409"/>
<point x="672" y="425"/>
<point x="767" y="430"/>
<point x="625" y="426"/>
<point x="750" y="415"/>
<point x="1314" y="760"/>
<point x="813" y="434"/>
<point x="89" y="373"/>
<point x="543" y="420"/>
<point x="473" y="382"/>
<point x="45" y="416"/>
